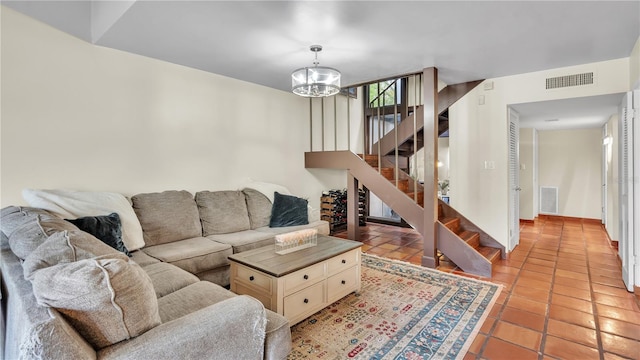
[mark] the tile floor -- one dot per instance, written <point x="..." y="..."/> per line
<point x="563" y="296"/>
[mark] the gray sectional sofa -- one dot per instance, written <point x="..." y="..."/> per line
<point x="67" y="295"/>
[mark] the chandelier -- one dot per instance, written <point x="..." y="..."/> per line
<point x="315" y="81"/>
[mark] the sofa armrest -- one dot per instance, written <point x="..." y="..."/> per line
<point x="231" y="329"/>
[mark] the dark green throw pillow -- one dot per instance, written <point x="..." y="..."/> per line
<point x="288" y="210"/>
<point x="107" y="228"/>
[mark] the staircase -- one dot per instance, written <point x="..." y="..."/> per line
<point x="457" y="239"/>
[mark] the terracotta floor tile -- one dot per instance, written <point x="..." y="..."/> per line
<point x="621" y="302"/>
<point x="571" y="316"/>
<point x="610" y="290"/>
<point x="497" y="349"/>
<point x="604" y="280"/>
<point x="620" y="346"/>
<point x="476" y="346"/>
<point x="564" y="349"/>
<point x="574" y="333"/>
<point x="523" y="318"/>
<point x="572" y="303"/>
<point x="572" y="275"/>
<point x="538" y="284"/>
<point x="618" y="313"/>
<point x="530" y="293"/>
<point x="572" y="283"/>
<point x="621" y="328"/>
<point x="524" y="273"/>
<point x="610" y="356"/>
<point x="518" y="335"/>
<point x="388" y="246"/>
<point x="572" y="292"/>
<point x="538" y="268"/>
<point x="377" y="251"/>
<point x="535" y="261"/>
<point x="525" y="304"/>
<point x="487" y="325"/>
<point x="505" y="269"/>
<point x="572" y="267"/>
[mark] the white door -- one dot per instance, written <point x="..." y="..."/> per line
<point x="625" y="169"/>
<point x="514" y="179"/>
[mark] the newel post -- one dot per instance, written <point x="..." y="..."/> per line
<point x="430" y="91"/>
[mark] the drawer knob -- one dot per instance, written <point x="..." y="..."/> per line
<point x="306" y="277"/>
<point x="251" y="278"/>
<point x="343" y="282"/>
<point x="344" y="261"/>
<point x="306" y="301"/>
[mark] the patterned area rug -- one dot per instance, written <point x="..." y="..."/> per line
<point x="403" y="311"/>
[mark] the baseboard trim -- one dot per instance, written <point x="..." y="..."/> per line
<point x="613" y="243"/>
<point x="570" y="218"/>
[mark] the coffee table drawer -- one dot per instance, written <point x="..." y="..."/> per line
<point x="254" y="278"/>
<point x="304" y="301"/>
<point x="303" y="278"/>
<point x="343" y="261"/>
<point x="342" y="284"/>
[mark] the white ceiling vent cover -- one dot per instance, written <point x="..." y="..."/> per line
<point x="549" y="200"/>
<point x="570" y="80"/>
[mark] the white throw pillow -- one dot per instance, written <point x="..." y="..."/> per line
<point x="71" y="204"/>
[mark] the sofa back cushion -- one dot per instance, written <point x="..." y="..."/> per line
<point x="222" y="212"/>
<point x="107" y="299"/>
<point x="259" y="208"/>
<point x="64" y="247"/>
<point x="167" y="216"/>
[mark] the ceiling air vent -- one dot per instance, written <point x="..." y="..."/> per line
<point x="570" y="80"/>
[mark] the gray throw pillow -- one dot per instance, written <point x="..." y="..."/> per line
<point x="107" y="299"/>
<point x="64" y="247"/>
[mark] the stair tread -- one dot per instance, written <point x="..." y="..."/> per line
<point x="467" y="235"/>
<point x="493" y="254"/>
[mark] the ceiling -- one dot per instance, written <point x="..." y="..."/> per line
<point x="583" y="112"/>
<point x="263" y="41"/>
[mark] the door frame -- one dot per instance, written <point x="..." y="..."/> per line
<point x="514" y="178"/>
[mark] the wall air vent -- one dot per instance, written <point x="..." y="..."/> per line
<point x="548" y="200"/>
<point x="570" y="80"/>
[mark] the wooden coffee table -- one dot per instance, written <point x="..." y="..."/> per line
<point x="300" y="283"/>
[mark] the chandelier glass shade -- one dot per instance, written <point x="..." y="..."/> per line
<point x="315" y="81"/>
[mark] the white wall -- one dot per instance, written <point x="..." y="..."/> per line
<point x="634" y="66"/>
<point x="571" y="161"/>
<point x="527" y="166"/>
<point x="480" y="132"/>
<point x="84" y="117"/>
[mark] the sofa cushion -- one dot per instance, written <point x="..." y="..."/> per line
<point x="259" y="208"/>
<point x="202" y="294"/>
<point x="167" y="216"/>
<point x="222" y="212"/>
<point x="288" y="210"/>
<point x="64" y="247"/>
<point x="167" y="278"/>
<point x="244" y="240"/>
<point x="193" y="255"/>
<point x="74" y="204"/>
<point x="141" y="258"/>
<point x="107" y="299"/>
<point x="107" y="229"/>
<point x="191" y="298"/>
